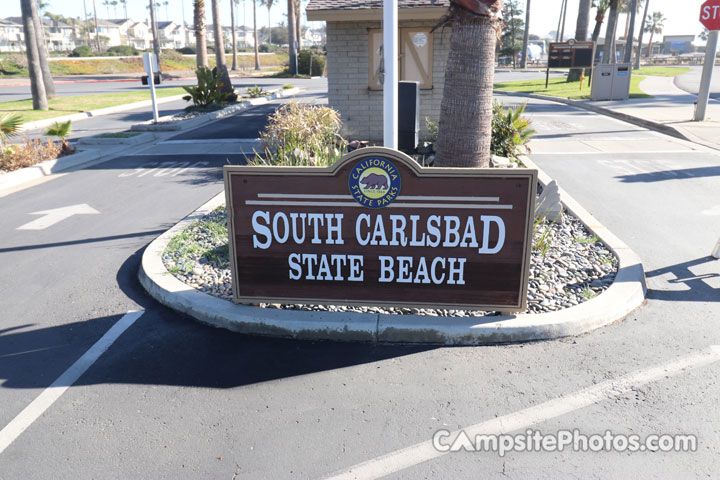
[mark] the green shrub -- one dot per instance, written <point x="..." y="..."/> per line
<point x="186" y="50"/>
<point x="208" y="91"/>
<point x="510" y="131"/>
<point x="256" y="92"/>
<point x="81" y="51"/>
<point x="318" y="63"/>
<point x="122" y="51"/>
<point x="302" y="135"/>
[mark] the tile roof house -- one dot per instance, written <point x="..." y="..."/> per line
<point x="354" y="54"/>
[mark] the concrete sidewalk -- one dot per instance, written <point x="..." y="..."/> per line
<point x="669" y="107"/>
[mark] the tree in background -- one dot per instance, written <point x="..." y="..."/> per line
<point x="37" y="86"/>
<point x="466" y="110"/>
<point x="513" y="29"/>
<point x="625" y="8"/>
<point x="200" y="40"/>
<point x="106" y="4"/>
<point x="292" y="37"/>
<point x="124" y="4"/>
<point x="601" y="7"/>
<point x="654" y="24"/>
<point x="268" y="4"/>
<point x="581" y="31"/>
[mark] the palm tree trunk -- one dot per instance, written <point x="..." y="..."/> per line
<point x="234" y="36"/>
<point x="42" y="53"/>
<point x="298" y="27"/>
<point x="466" y="108"/>
<point x="292" y="37"/>
<point x="526" y="36"/>
<point x="640" y="37"/>
<point x="581" y="30"/>
<point x="220" y="52"/>
<point x="201" y="59"/>
<point x="649" y="49"/>
<point x="608" y="48"/>
<point x="255" y="32"/>
<point x="269" y="37"/>
<point x="599" y="19"/>
<point x="37" y="86"/>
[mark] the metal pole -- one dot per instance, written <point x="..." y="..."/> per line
<point x="629" y="40"/>
<point x="702" y="100"/>
<point x="716" y="250"/>
<point x="390" y="84"/>
<point x="151" y="82"/>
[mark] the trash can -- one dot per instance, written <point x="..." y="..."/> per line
<point x="611" y="81"/>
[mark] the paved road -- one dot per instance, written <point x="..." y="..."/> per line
<point x="174" y="399"/>
<point x="124" y="120"/>
<point x="690" y="82"/>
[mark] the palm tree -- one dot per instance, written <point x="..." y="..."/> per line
<point x="167" y="15"/>
<point x="114" y="4"/>
<point x="268" y="4"/>
<point x="292" y="37"/>
<point x="298" y="28"/>
<point x="581" y="31"/>
<point x="526" y="36"/>
<point x="220" y="52"/>
<point x="124" y="4"/>
<point x="234" y="36"/>
<point x="61" y="130"/>
<point x="107" y="4"/>
<point x="466" y="108"/>
<point x="9" y="127"/>
<point x="42" y="51"/>
<point x="601" y="7"/>
<point x="255" y="33"/>
<point x="37" y="86"/>
<point x="610" y="30"/>
<point x="654" y="24"/>
<point x="199" y="27"/>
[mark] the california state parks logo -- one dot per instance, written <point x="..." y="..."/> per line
<point x="374" y="182"/>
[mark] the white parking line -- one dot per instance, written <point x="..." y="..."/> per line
<point x="43" y="401"/>
<point x="422" y="452"/>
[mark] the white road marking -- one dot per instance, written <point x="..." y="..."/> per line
<point x="43" y="401"/>
<point x="422" y="452"/>
<point x="165" y="168"/>
<point x="212" y="141"/>
<point x="57" y="215"/>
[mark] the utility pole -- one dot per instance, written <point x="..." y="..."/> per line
<point x="629" y="40"/>
<point x="564" y="17"/>
<point x="291" y="38"/>
<point x="563" y="4"/>
<point x="710" y="52"/>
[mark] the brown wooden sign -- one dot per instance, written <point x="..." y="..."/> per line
<point x="571" y="54"/>
<point x="378" y="229"/>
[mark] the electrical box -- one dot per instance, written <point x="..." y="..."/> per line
<point x="408" y="116"/>
<point x="611" y="81"/>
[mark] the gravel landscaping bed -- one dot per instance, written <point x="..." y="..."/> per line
<point x="569" y="266"/>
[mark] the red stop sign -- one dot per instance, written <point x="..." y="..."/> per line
<point x="710" y="14"/>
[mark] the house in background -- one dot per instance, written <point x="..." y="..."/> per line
<point x="139" y="36"/>
<point x="171" y="35"/>
<point x="11" y="36"/>
<point x="354" y="54"/>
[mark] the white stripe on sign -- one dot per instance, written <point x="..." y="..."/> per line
<point x="43" y="401"/>
<point x="422" y="452"/>
<point x="392" y="205"/>
<point x="323" y="196"/>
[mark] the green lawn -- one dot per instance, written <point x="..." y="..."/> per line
<point x="559" y="87"/>
<point x="76" y="104"/>
<point x="662" y="71"/>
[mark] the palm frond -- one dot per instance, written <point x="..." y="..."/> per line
<point x="9" y="125"/>
<point x="59" y="129"/>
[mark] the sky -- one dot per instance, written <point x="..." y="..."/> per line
<point x="682" y="17"/>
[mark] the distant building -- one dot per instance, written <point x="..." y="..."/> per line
<point x="678" y="44"/>
<point x="59" y="36"/>
<point x="314" y="37"/>
<point x="11" y="36"/>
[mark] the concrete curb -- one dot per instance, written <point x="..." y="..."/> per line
<point x="625" y="295"/>
<point x="62" y="164"/>
<point x="209" y="117"/>
<point x="98" y="113"/>
<point x="137" y="139"/>
<point x="640" y="122"/>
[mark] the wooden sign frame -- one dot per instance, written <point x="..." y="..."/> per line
<point x="570" y="48"/>
<point x="262" y="280"/>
